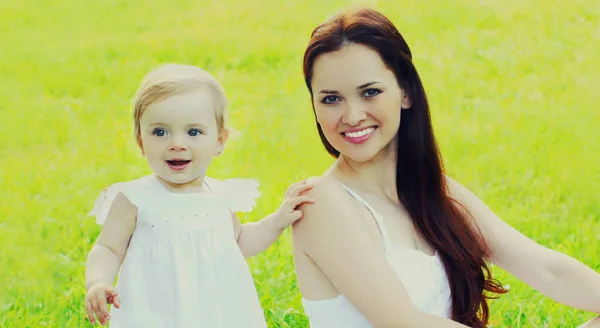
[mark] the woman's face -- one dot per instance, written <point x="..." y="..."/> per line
<point x="357" y="102"/>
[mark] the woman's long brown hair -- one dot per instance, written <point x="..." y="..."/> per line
<point x="442" y="221"/>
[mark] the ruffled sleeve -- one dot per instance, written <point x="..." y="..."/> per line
<point x="103" y="203"/>
<point x="240" y="194"/>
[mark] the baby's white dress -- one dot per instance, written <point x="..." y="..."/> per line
<point x="183" y="267"/>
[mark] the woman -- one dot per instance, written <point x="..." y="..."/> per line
<point x="391" y="241"/>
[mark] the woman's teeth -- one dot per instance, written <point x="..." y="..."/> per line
<point x="360" y="133"/>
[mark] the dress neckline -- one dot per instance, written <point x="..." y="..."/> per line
<point x="161" y="185"/>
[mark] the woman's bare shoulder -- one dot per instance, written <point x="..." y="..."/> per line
<point x="328" y="194"/>
<point x="324" y="183"/>
<point x="334" y="214"/>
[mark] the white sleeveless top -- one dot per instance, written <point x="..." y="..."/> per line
<point x="422" y="275"/>
<point x="183" y="267"/>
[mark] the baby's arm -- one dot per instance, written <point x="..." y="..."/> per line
<point x="255" y="237"/>
<point x="106" y="256"/>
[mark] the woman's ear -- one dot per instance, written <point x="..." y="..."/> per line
<point x="406" y="103"/>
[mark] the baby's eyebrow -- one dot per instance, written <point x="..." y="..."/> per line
<point x="197" y="125"/>
<point x="188" y="125"/>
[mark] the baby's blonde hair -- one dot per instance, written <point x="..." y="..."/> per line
<point x="173" y="79"/>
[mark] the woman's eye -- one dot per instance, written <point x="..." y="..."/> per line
<point x="329" y="99"/>
<point x="159" y="132"/>
<point x="371" y="92"/>
<point x="194" y="132"/>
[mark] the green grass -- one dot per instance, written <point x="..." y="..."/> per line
<point x="511" y="86"/>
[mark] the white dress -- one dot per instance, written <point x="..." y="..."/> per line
<point x="183" y="267"/>
<point x="422" y="275"/>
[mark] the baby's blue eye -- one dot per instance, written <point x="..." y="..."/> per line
<point x="159" y="132"/>
<point x="194" y="132"/>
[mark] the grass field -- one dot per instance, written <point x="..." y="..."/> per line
<point x="511" y="86"/>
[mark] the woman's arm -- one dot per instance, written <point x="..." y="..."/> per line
<point x="332" y="234"/>
<point x="552" y="273"/>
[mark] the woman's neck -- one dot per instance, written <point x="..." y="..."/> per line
<point x="376" y="176"/>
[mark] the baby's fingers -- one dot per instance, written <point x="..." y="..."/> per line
<point x="298" y="190"/>
<point x="293" y="186"/>
<point x="299" y="200"/>
<point x="116" y="301"/>
<point x="295" y="216"/>
<point x="112" y="295"/>
<point x="96" y="309"/>
<point x="102" y="309"/>
<point x="90" y="311"/>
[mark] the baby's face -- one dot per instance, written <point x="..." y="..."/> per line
<point x="179" y="137"/>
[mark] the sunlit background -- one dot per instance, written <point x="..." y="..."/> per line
<point x="513" y="87"/>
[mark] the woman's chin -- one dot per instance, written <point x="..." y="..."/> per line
<point x="367" y="155"/>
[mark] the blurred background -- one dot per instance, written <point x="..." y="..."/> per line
<point x="513" y="89"/>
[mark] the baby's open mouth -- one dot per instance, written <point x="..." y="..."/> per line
<point x="178" y="162"/>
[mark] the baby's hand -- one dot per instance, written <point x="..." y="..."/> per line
<point x="288" y="213"/>
<point x="96" y="300"/>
